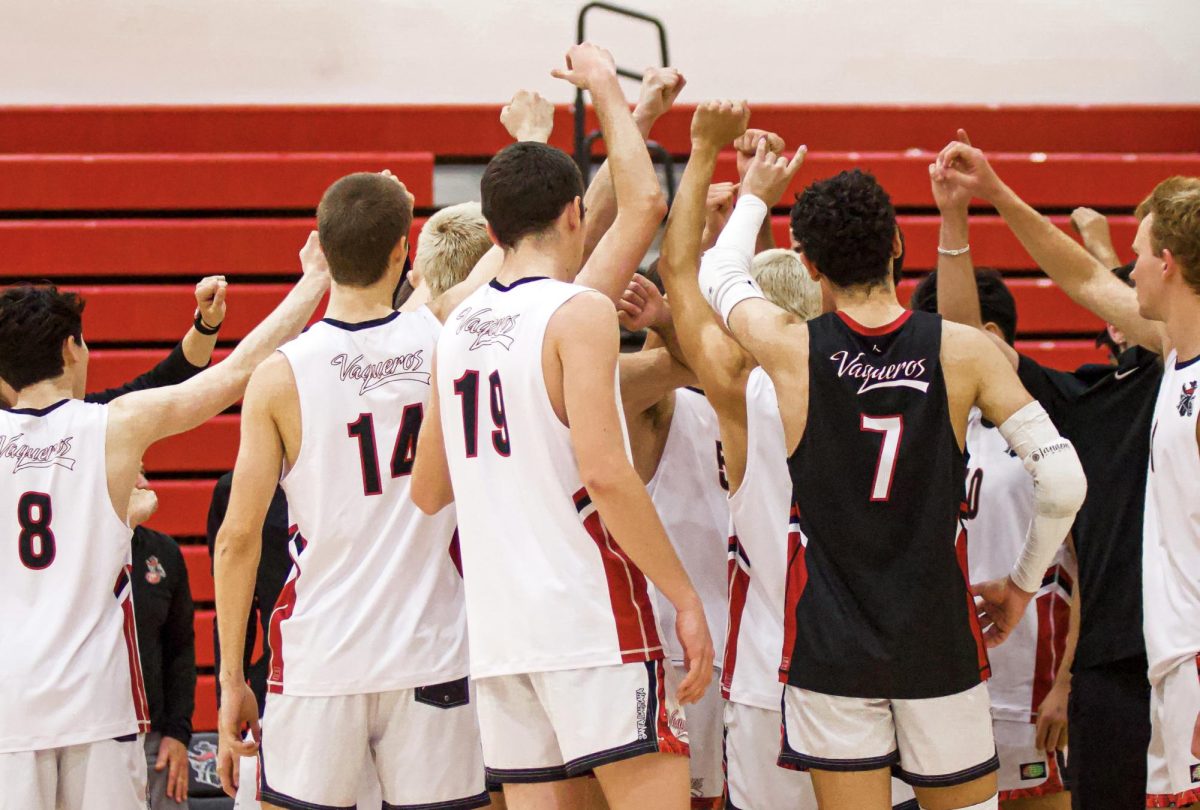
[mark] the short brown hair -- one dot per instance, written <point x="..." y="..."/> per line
<point x="525" y="188"/>
<point x="360" y="220"/>
<point x="452" y="241"/>
<point x="1175" y="204"/>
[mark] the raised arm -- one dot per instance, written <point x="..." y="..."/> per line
<point x="431" y="489"/>
<point x="584" y="335"/>
<point x="1092" y="227"/>
<point x="640" y="201"/>
<point x="1087" y="281"/>
<point x="746" y="146"/>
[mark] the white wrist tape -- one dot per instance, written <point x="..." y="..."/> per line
<point x="725" y="269"/>
<point x="1059" y="487"/>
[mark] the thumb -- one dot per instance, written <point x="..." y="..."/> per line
<point x="797" y="161"/>
<point x="761" y="152"/>
<point x="162" y="760"/>
<point x="962" y="136"/>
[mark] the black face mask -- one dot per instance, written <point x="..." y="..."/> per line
<point x="400" y="294"/>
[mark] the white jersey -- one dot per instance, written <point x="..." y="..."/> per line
<point x="1171" y="545"/>
<point x="547" y="586"/>
<point x="690" y="496"/>
<point x="765" y="532"/>
<point x="374" y="601"/>
<point x="70" y="666"/>
<point x="999" y="511"/>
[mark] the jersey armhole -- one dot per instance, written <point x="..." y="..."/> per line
<point x="112" y="508"/>
<point x="285" y="469"/>
<point x="541" y="368"/>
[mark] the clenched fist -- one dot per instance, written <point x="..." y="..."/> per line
<point x="718" y="123"/>
<point x="528" y="117"/>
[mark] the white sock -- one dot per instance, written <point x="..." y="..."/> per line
<point x="988" y="804"/>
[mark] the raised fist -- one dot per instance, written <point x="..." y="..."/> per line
<point x="660" y="88"/>
<point x="587" y="64"/>
<point x="719" y="123"/>
<point x="528" y="117"/>
<point x="747" y="145"/>
<point x="210" y="299"/>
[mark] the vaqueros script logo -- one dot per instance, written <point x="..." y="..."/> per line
<point x="26" y="456"/>
<point x="373" y="375"/>
<point x="893" y="375"/>
<point x="487" y="328"/>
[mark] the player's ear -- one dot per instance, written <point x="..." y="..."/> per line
<point x="399" y="252"/>
<point x="575" y="213"/>
<point x="897" y="244"/>
<point x="994" y="328"/>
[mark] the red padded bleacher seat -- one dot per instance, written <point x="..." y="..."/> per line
<point x="203" y="622"/>
<point x="1066" y="355"/>
<point x="182" y="507"/>
<point x="1055" y="180"/>
<point x="210" y="447"/>
<point x="204" y="718"/>
<point x="1041" y="307"/>
<point x="108" y="368"/>
<point x="148" y="182"/>
<point x="199" y="567"/>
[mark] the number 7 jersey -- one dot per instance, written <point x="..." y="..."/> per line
<point x="374" y="600"/>
<point x="547" y="586"/>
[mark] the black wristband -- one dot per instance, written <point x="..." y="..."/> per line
<point x="204" y="328"/>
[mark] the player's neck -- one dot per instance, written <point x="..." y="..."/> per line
<point x="358" y="304"/>
<point x="1183" y="324"/>
<point x="45" y="393"/>
<point x="876" y="306"/>
<point x="532" y="259"/>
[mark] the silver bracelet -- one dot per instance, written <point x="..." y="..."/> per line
<point x="956" y="252"/>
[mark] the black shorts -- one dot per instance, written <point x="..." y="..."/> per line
<point x="1109" y="725"/>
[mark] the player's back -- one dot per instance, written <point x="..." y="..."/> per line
<point x="878" y="601"/>
<point x="70" y="666"/>
<point x="548" y="588"/>
<point x="374" y="601"/>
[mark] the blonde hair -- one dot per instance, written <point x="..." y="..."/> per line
<point x="1175" y="204"/>
<point x="451" y="242"/>
<point x="786" y="283"/>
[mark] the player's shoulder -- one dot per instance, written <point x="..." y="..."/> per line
<point x="586" y="308"/>
<point x="273" y="377"/>
<point x="961" y="343"/>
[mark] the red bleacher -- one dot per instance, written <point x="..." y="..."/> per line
<point x="132" y="205"/>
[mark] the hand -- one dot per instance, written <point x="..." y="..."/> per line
<point x="312" y="259"/>
<point x="951" y="198"/>
<point x="747" y="144"/>
<point x="210" y="299"/>
<point x="528" y="117"/>
<point x="238" y="708"/>
<point x="692" y="630"/>
<point x="962" y="165"/>
<point x="588" y="66"/>
<point x="769" y="174"/>
<point x="1051" y="732"/>
<point x="660" y="88"/>
<point x="717" y="209"/>
<point x="718" y="123"/>
<point x="173" y="758"/>
<point x="1000" y="605"/>
<point x="1092" y="227"/>
<point x="143" y="503"/>
<point x="642" y="306"/>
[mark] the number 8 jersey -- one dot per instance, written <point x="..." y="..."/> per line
<point x="878" y="604"/>
<point x="70" y="664"/>
<point x="547" y="586"/>
<point x="374" y="600"/>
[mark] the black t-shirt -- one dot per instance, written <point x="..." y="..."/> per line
<point x="1106" y="412"/>
<point x="162" y="607"/>
<point x="878" y="605"/>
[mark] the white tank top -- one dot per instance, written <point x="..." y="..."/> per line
<point x="763" y="531"/>
<point x="999" y="511"/>
<point x="374" y="601"/>
<point x="70" y="669"/>
<point x="1171" y="545"/>
<point x="547" y="586"/>
<point x="688" y="493"/>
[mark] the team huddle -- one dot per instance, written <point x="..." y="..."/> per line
<point x="730" y="569"/>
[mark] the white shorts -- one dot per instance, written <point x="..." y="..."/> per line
<point x="547" y="726"/>
<point x="247" y="791"/>
<point x="931" y="742"/>
<point x="1025" y="772"/>
<point x="1172" y="773"/>
<point x="755" y="782"/>
<point x="108" y="773"/>
<point x="424" y="743"/>
<point x="705" y="728"/>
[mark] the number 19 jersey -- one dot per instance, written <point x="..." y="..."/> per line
<point x="374" y="601"/>
<point x="547" y="586"/>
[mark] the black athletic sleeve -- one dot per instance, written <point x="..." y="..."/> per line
<point x="171" y="370"/>
<point x="178" y="652"/>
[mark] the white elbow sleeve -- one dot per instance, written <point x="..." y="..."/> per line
<point x="1059" y="487"/>
<point x="725" y="276"/>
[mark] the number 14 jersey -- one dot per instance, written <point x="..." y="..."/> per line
<point x="374" y="601"/>
<point x="547" y="586"/>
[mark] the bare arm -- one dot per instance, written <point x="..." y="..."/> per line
<point x="648" y="376"/>
<point x="1052" y="725"/>
<point x="431" y="490"/>
<point x="584" y="336"/>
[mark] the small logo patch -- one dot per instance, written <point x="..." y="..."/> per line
<point x="155" y="573"/>
<point x="1195" y="773"/>
<point x="1187" y="399"/>
<point x="643" y="733"/>
<point x="1033" y="770"/>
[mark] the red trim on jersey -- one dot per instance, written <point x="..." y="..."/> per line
<point x="1054" y="617"/>
<point x="739" y="584"/>
<point x="797" y="581"/>
<point x="285" y="605"/>
<point x="633" y="614"/>
<point x="141" y="707"/>
<point x="1184" y="799"/>
<point x="985" y="666"/>
<point x="875" y="331"/>
<point x="456" y="552"/>
<point x="1052" y="785"/>
<point x="668" y="742"/>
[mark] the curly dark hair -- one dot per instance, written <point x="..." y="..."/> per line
<point x="845" y="226"/>
<point x="996" y="303"/>
<point x="34" y="322"/>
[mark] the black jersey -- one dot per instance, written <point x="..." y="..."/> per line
<point x="878" y="604"/>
